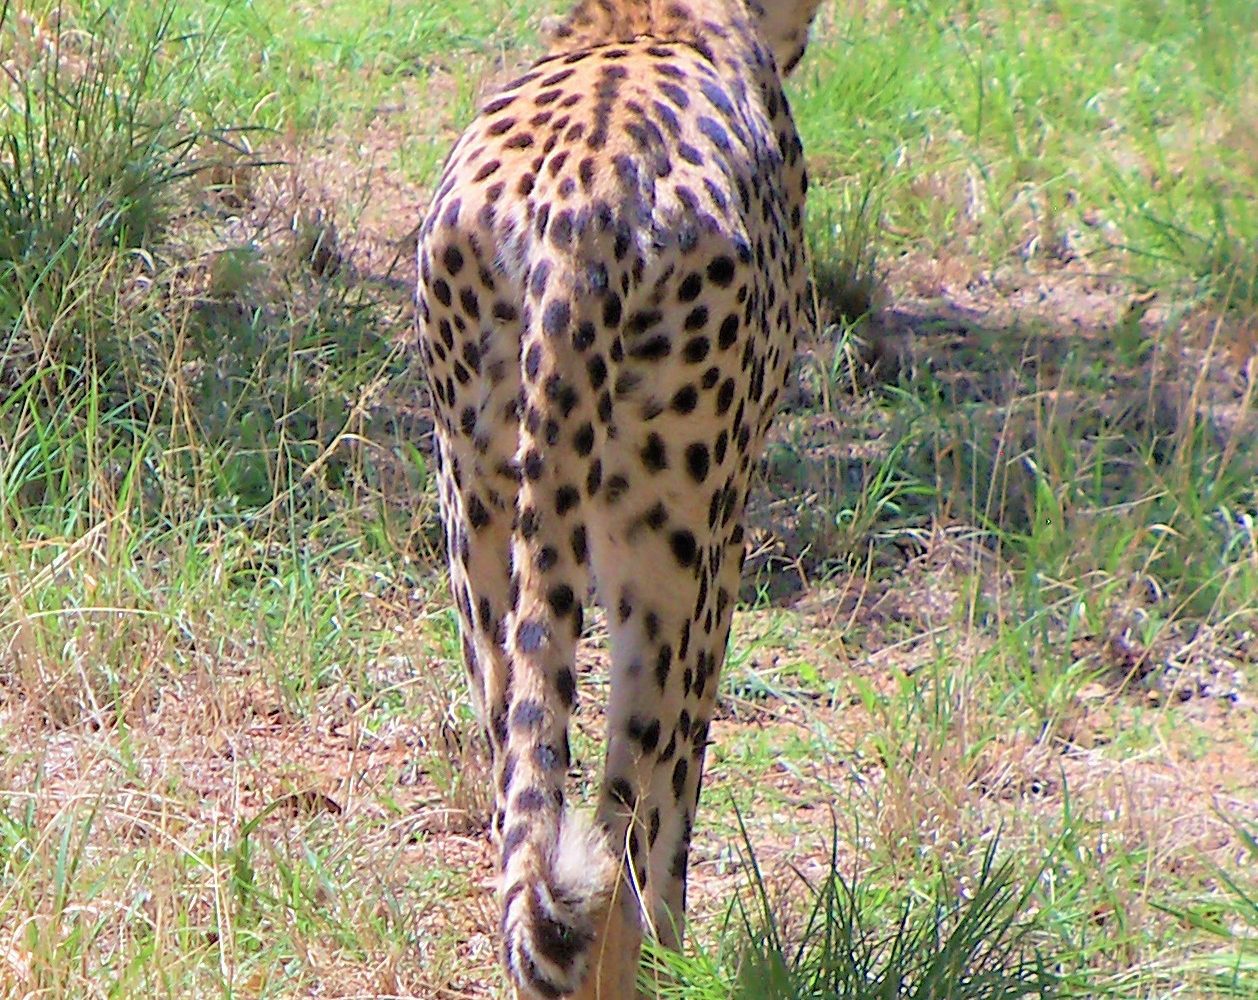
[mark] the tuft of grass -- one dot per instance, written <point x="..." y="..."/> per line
<point x="858" y="940"/>
<point x="91" y="149"/>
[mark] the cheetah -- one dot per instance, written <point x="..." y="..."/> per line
<point x="611" y="277"/>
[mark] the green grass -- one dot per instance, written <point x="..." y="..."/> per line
<point x="1005" y="574"/>
<point x="858" y="940"/>
<point x="313" y="65"/>
<point x="1119" y="128"/>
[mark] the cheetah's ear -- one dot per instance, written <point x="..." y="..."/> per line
<point x="784" y="26"/>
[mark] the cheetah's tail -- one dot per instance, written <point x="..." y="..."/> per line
<point x="552" y="920"/>
<point x="559" y="871"/>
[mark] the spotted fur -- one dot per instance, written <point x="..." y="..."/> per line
<point x="612" y="275"/>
